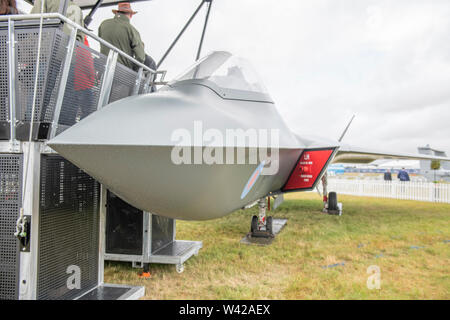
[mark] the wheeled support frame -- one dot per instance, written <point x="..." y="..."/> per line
<point x="141" y="237"/>
<point x="330" y="204"/>
<point x="261" y="226"/>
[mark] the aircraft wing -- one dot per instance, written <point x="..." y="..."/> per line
<point x="351" y="154"/>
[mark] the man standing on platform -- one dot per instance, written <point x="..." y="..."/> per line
<point x="119" y="32"/>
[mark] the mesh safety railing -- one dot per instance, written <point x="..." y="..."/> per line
<point x="68" y="81"/>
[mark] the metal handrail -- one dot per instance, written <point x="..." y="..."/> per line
<point x="82" y="29"/>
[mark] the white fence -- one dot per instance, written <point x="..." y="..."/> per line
<point x="411" y="190"/>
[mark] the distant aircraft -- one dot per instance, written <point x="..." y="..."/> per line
<point x="170" y="153"/>
<point x="425" y="165"/>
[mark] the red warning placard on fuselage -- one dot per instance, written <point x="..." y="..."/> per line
<point x="308" y="169"/>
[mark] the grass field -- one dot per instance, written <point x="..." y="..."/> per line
<point x="408" y="241"/>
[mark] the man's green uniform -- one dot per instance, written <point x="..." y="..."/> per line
<point x="119" y="32"/>
<point x="73" y="12"/>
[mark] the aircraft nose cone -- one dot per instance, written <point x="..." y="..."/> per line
<point x="127" y="147"/>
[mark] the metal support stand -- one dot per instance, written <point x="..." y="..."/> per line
<point x="147" y="238"/>
<point x="260" y="226"/>
<point x="263" y="229"/>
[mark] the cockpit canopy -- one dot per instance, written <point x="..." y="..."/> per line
<point x="229" y="76"/>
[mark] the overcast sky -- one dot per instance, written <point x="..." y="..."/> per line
<point x="386" y="61"/>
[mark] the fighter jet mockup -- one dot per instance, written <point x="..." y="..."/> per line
<point x="208" y="143"/>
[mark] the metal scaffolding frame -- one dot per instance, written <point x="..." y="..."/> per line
<point x="26" y="66"/>
<point x="145" y="77"/>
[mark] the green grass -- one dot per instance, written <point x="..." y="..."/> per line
<point x="371" y="232"/>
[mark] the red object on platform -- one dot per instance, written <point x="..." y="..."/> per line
<point x="84" y="68"/>
<point x="308" y="169"/>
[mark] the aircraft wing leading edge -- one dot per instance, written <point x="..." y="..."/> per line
<point x="351" y="154"/>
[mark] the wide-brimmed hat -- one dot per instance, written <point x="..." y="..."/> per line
<point x="124" y="7"/>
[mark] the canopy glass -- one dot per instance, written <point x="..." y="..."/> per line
<point x="221" y="70"/>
